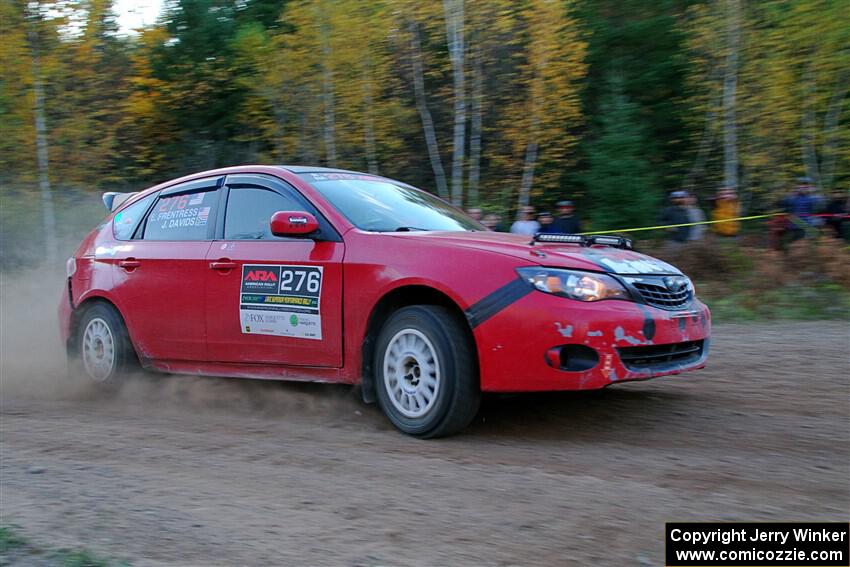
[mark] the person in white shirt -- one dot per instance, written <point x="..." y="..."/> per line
<point x="526" y="223"/>
<point x="695" y="214"/>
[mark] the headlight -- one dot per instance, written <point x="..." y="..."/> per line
<point x="582" y="286"/>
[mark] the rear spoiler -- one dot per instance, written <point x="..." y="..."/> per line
<point x="112" y="200"/>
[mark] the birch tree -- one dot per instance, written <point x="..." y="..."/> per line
<point x="454" y="10"/>
<point x="730" y="91"/>
<point x="48" y="216"/>
<point x="539" y="122"/>
<point x="475" y="129"/>
<point x="783" y="109"/>
<point x="417" y="71"/>
<point x="17" y="144"/>
<point x="328" y="93"/>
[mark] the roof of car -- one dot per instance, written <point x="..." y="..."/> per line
<point x="316" y="169"/>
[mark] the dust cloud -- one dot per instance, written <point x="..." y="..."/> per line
<point x="33" y="365"/>
<point x="32" y="359"/>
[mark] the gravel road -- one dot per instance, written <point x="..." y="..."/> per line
<point x="193" y="471"/>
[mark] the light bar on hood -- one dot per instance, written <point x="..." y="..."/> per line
<point x="584" y="240"/>
<point x="615" y="241"/>
<point x="558" y="237"/>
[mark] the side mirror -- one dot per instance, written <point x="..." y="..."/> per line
<point x="293" y="223"/>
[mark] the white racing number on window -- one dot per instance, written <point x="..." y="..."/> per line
<point x="281" y="300"/>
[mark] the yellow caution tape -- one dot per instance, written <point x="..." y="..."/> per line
<point x="679" y="225"/>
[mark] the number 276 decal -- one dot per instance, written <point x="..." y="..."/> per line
<point x="298" y="277"/>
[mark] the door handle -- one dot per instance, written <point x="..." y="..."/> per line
<point x="222" y="265"/>
<point x="129" y="264"/>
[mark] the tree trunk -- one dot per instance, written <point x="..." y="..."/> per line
<point x="808" y="128"/>
<point x="454" y="33"/>
<point x="709" y="134"/>
<point x="369" y="126"/>
<point x="527" y="176"/>
<point x="829" y="151"/>
<point x="328" y="95"/>
<point x="475" y="130"/>
<point x="47" y="209"/>
<point x="306" y="135"/>
<point x="730" y="87"/>
<point x="425" y="114"/>
<point x="279" y="111"/>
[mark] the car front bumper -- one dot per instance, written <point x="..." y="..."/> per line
<point x="543" y="342"/>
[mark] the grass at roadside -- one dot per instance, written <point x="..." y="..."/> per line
<point x="740" y="281"/>
<point x="790" y="302"/>
<point x="15" y="549"/>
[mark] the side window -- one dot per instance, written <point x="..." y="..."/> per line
<point x="185" y="216"/>
<point x="125" y="222"/>
<point x="249" y="210"/>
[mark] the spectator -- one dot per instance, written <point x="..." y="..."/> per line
<point x="567" y="221"/>
<point x="837" y="207"/>
<point x="805" y="203"/>
<point x="695" y="214"/>
<point x="546" y="221"/>
<point x="493" y="222"/>
<point x="474" y="213"/>
<point x="800" y="207"/>
<point x="526" y="223"/>
<point x="676" y="213"/>
<point x="783" y="225"/>
<point x="727" y="206"/>
<point x="500" y="224"/>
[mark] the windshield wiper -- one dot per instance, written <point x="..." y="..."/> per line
<point x="409" y="229"/>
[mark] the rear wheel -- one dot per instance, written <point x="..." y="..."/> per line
<point x="427" y="379"/>
<point x="103" y="345"/>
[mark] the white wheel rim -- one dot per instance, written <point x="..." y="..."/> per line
<point x="411" y="373"/>
<point x="98" y="350"/>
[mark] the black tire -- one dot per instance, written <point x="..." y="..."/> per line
<point x="105" y="319"/>
<point x="457" y="393"/>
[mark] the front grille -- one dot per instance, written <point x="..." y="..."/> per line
<point x="661" y="357"/>
<point x="658" y="295"/>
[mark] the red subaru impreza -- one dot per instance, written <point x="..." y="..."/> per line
<point x="306" y="273"/>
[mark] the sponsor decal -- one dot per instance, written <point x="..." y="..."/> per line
<point x="181" y="211"/>
<point x="281" y="300"/>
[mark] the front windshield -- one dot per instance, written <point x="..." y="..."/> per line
<point x="378" y="205"/>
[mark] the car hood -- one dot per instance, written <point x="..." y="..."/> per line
<point x="595" y="258"/>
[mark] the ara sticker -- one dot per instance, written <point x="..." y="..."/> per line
<point x="281" y="300"/>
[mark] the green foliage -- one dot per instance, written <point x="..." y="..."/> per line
<point x="622" y="189"/>
<point x="14" y="548"/>
<point x="9" y="539"/>
<point x="643" y="45"/>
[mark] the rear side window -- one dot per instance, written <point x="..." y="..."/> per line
<point x="125" y="222"/>
<point x="249" y="210"/>
<point x="185" y="216"/>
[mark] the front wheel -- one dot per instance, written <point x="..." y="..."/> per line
<point x="427" y="379"/>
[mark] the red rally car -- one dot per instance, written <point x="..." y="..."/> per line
<point x="306" y="273"/>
